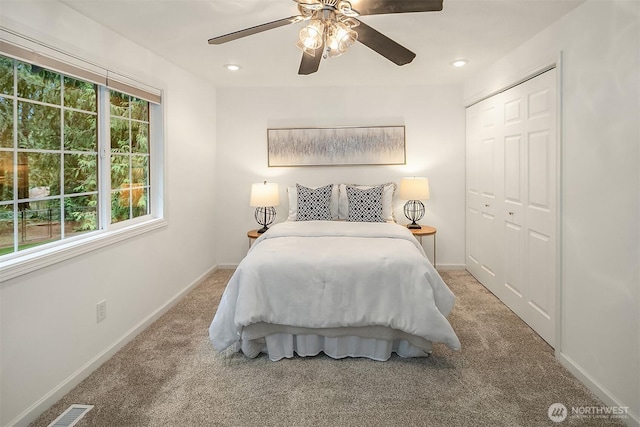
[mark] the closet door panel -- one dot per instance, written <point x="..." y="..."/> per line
<point x="540" y="308"/>
<point x="489" y="154"/>
<point x="513" y="282"/>
<point x="514" y="173"/>
<point x="473" y="240"/>
<point x="487" y="170"/>
<point x="512" y="170"/>
<point x="541" y="192"/>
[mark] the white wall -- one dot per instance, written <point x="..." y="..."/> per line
<point x="48" y="331"/>
<point x="434" y="120"/>
<point x="600" y="333"/>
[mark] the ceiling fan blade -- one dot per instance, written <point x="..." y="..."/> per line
<point x="382" y="44"/>
<point x="254" y="30"/>
<point x="309" y="63"/>
<point x="380" y="7"/>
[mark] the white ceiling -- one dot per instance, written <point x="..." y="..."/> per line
<point x="478" y="30"/>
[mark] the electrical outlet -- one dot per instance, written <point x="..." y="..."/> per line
<point x="101" y="311"/>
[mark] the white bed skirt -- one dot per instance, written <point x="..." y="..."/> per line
<point x="283" y="345"/>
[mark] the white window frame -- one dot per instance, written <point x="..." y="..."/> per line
<point x="29" y="260"/>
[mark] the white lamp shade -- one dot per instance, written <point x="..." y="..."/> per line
<point x="414" y="188"/>
<point x="264" y="194"/>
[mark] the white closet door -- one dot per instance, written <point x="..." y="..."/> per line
<point x="540" y="211"/>
<point x="473" y="201"/>
<point x="484" y="191"/>
<point x="513" y="206"/>
<point x="511" y="196"/>
<point x="490" y="191"/>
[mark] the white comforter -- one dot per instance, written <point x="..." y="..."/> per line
<point x="328" y="274"/>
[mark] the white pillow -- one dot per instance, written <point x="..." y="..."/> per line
<point x="387" y="200"/>
<point x="293" y="202"/>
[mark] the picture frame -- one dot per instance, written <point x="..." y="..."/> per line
<point x="336" y="146"/>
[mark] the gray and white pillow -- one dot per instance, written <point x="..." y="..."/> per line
<point x="292" y="195"/>
<point x="388" y="191"/>
<point x="365" y="205"/>
<point x="314" y="203"/>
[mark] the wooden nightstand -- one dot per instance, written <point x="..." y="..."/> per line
<point x="426" y="230"/>
<point x="252" y="235"/>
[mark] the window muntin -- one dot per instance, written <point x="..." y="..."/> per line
<point x="50" y="168"/>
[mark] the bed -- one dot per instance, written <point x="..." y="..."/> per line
<point x="345" y="288"/>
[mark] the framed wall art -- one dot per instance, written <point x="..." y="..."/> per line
<point x="340" y="146"/>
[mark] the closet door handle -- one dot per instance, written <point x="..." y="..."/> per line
<point x="510" y="213"/>
<point x="486" y="206"/>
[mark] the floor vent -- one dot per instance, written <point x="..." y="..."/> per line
<point x="71" y="416"/>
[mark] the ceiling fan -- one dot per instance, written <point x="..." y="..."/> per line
<point x="333" y="27"/>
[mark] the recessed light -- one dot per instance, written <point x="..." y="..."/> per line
<point x="232" y="67"/>
<point x="459" y="63"/>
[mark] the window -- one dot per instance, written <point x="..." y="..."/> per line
<point x="68" y="167"/>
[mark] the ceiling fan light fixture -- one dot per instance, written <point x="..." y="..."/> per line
<point x="340" y="37"/>
<point x="310" y="37"/>
<point x="305" y="49"/>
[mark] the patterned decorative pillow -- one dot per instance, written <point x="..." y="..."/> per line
<point x="388" y="191"/>
<point x="292" y="195"/>
<point x="365" y="205"/>
<point x="314" y="203"/>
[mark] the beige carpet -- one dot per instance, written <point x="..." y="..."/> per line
<point x="170" y="375"/>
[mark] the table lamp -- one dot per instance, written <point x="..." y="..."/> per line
<point x="414" y="190"/>
<point x="264" y="196"/>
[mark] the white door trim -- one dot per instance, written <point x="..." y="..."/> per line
<point x="559" y="181"/>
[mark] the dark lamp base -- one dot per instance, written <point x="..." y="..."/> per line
<point x="414" y="211"/>
<point x="265" y="217"/>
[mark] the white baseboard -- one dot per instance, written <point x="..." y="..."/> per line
<point x="596" y="388"/>
<point x="227" y="266"/>
<point x="34" y="411"/>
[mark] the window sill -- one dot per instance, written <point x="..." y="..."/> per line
<point x="16" y="267"/>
